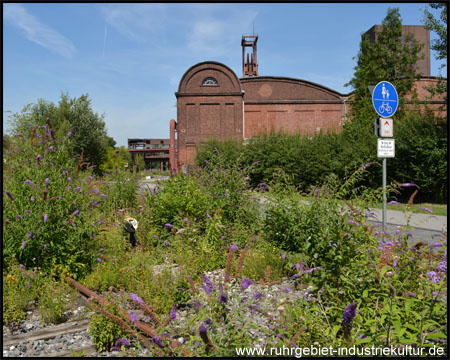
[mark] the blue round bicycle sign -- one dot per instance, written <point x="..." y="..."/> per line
<point x="385" y="99"/>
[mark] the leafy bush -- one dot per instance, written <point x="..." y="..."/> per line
<point x="50" y="210"/>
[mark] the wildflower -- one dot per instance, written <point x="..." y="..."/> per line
<point x="173" y="313"/>
<point x="45" y="218"/>
<point x="76" y="212"/>
<point x="279" y="336"/>
<point x="362" y="336"/>
<point x="208" y="321"/>
<point x="99" y="260"/>
<point x="28" y="284"/>
<point x="347" y="318"/>
<point x="195" y="304"/>
<point x="436" y="244"/>
<point x="69" y="179"/>
<point x="234" y="247"/>
<point x="311" y="270"/>
<point x="299" y="266"/>
<point x="69" y="133"/>
<point x="295" y="276"/>
<point x="169" y="225"/>
<point x="30" y="183"/>
<point x="408" y="185"/>
<point x="393" y="202"/>
<point x="165" y="335"/>
<point x="158" y="341"/>
<point x="363" y="167"/>
<point x="245" y="283"/>
<point x="351" y="222"/>
<point x="257" y="295"/>
<point x="370" y="213"/>
<point x="103" y="196"/>
<point x="45" y="246"/>
<point x="23" y="244"/>
<point x="101" y="249"/>
<point x="202" y="330"/>
<point x="283" y="257"/>
<point x="411" y="294"/>
<point x="286" y="290"/>
<point x="136" y="298"/>
<point x="51" y="147"/>
<point x="31" y="235"/>
<point x="133" y="317"/>
<point x="122" y="341"/>
<point x="95" y="203"/>
<point x="223" y="298"/>
<point x="434" y="277"/>
<point x="208" y="216"/>
<point x="18" y="217"/>
<point x="442" y="267"/>
<point x="426" y="209"/>
<point x="10" y="195"/>
<point x="19" y="135"/>
<point x="207" y="162"/>
<point x="167" y="243"/>
<point x="38" y="159"/>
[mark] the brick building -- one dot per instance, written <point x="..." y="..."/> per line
<point x="212" y="102"/>
<point x="154" y="151"/>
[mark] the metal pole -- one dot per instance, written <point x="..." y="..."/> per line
<point x="384" y="196"/>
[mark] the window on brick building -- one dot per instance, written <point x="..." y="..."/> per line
<point x="210" y="81"/>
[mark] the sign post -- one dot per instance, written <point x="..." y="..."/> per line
<point x="385" y="102"/>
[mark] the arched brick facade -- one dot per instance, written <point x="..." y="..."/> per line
<point x="209" y="105"/>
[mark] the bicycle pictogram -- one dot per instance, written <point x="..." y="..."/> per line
<point x="385" y="107"/>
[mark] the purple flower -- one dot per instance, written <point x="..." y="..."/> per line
<point x="223" y="298"/>
<point x="51" y="147"/>
<point x="18" y="217"/>
<point x="173" y="313"/>
<point x="286" y="290"/>
<point x="426" y="209"/>
<point x="208" y="321"/>
<point x="30" y="183"/>
<point x="32" y="198"/>
<point x="363" y="167"/>
<point x="370" y="213"/>
<point x="69" y="133"/>
<point x="234" y="247"/>
<point x="101" y="249"/>
<point x="169" y="225"/>
<point x="207" y="162"/>
<point x="45" y="218"/>
<point x="28" y="284"/>
<point x="309" y="271"/>
<point x="76" y="212"/>
<point x="38" y="159"/>
<point x="362" y="336"/>
<point x="103" y="196"/>
<point x="295" y="276"/>
<point x="136" y="298"/>
<point x="351" y="222"/>
<point x="299" y="266"/>
<point x="245" y="283"/>
<point x="202" y="330"/>
<point x="436" y="244"/>
<point x="158" y="341"/>
<point x="395" y="263"/>
<point x="442" y="267"/>
<point x="195" y="304"/>
<point x="45" y="246"/>
<point x="31" y="235"/>
<point x="19" y="135"/>
<point x="408" y="185"/>
<point x="208" y="216"/>
<point x="23" y="244"/>
<point x="347" y="318"/>
<point x="10" y="195"/>
<point x="411" y="294"/>
<point x="434" y="277"/>
<point x="393" y="202"/>
<point x="279" y="336"/>
<point x="257" y="295"/>
<point x="99" y="260"/>
<point x="133" y="317"/>
<point x="95" y="203"/>
<point x="69" y="179"/>
<point x="283" y="257"/>
<point x="122" y="341"/>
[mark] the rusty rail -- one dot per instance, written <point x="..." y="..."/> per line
<point x="145" y="328"/>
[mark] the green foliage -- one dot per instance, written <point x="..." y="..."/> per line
<point x="49" y="206"/>
<point x="116" y="159"/>
<point x="104" y="332"/>
<point x="87" y="128"/>
<point x="53" y="300"/>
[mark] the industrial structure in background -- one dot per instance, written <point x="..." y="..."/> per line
<point x="212" y="102"/>
<point x="155" y="152"/>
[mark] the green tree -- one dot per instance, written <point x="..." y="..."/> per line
<point x="72" y="117"/>
<point x="389" y="58"/>
<point x="116" y="159"/>
<point x="439" y="45"/>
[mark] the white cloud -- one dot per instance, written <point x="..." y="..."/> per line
<point x="36" y="31"/>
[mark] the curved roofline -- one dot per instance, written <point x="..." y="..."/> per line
<point x="203" y="63"/>
<point x="295" y="80"/>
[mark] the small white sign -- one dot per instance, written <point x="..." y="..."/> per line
<point x="386" y="127"/>
<point x="386" y="148"/>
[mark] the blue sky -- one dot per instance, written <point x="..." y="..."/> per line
<point x="130" y="58"/>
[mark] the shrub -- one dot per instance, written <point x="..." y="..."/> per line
<point x="50" y="208"/>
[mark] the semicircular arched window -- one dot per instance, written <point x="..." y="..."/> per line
<point x="210" y="81"/>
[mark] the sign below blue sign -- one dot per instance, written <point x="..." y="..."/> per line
<point x="385" y="99"/>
